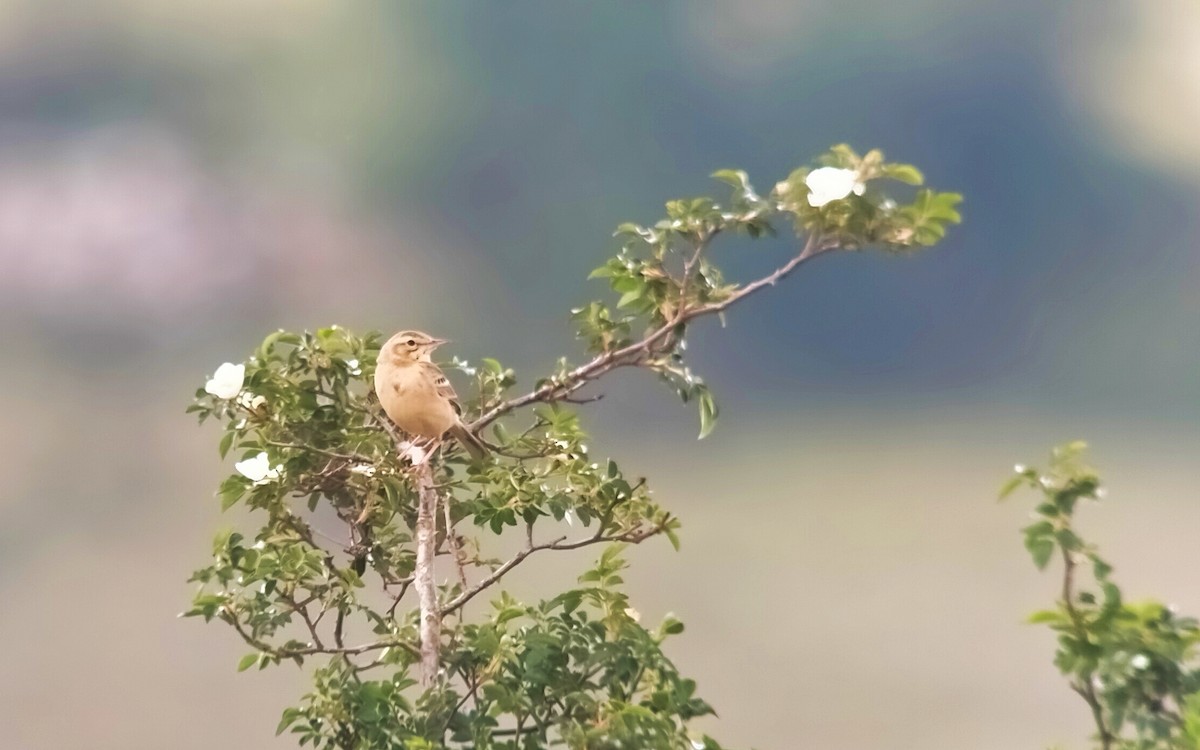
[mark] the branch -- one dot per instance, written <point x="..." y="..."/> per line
<point x="423" y="575"/>
<point x="636" y="352"/>
<point x="633" y="537"/>
<point x="288" y="653"/>
<point x="1087" y="690"/>
<point x="351" y="457"/>
<point x="456" y="550"/>
<point x="302" y="609"/>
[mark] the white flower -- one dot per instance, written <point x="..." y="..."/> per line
<point x="258" y="469"/>
<point x="831" y="184"/>
<point x="633" y="614"/>
<point x="1019" y="468"/>
<point x="354" y="368"/>
<point x="1101" y="493"/>
<point x="367" y="470"/>
<point x="250" y="401"/>
<point x="226" y="381"/>
<point x="1141" y="661"/>
<point x="1046" y="482"/>
<point x="570" y="518"/>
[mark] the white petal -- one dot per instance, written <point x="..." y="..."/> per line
<point x="1141" y="661"/>
<point x="255" y="469"/>
<point x="226" y="381"/>
<point x="830" y="184"/>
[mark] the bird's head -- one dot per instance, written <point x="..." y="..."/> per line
<point x="409" y="346"/>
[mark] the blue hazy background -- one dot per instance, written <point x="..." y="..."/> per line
<point x="178" y="179"/>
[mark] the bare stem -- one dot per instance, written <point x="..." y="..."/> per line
<point x="423" y="576"/>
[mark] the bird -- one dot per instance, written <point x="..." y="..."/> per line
<point x="416" y="395"/>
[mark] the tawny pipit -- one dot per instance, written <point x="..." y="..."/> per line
<point x="415" y="393"/>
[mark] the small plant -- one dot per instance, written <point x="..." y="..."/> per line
<point x="346" y="528"/>
<point x="1134" y="664"/>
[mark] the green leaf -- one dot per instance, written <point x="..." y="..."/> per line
<point x="226" y="443"/>
<point x="633" y="295"/>
<point x="708" y="413"/>
<point x="1045" y="616"/>
<point x="1040" y="548"/>
<point x="231" y="491"/>
<point x="672" y="537"/>
<point x="289" y="717"/>
<point x="1011" y="486"/>
<point x="905" y="173"/>
<point x="247" y="661"/>
<point x="943" y="207"/>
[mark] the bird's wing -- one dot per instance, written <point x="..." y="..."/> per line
<point x="440" y="383"/>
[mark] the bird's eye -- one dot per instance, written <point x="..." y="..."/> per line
<point x="410" y="342"/>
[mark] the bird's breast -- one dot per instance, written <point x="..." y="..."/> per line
<point x="412" y="402"/>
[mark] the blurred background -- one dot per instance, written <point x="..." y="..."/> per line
<point x="178" y="179"/>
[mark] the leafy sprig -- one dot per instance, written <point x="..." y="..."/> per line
<point x="1134" y="664"/>
<point x="347" y="527"/>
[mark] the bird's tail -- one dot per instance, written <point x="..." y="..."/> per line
<point x="467" y="440"/>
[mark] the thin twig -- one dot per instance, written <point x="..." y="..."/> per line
<point x="634" y="536"/>
<point x="302" y="609"/>
<point x="455" y="548"/>
<point x="288" y="653"/>
<point x="354" y="457"/>
<point x="1086" y="690"/>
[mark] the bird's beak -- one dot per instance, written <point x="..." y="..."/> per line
<point x="438" y="342"/>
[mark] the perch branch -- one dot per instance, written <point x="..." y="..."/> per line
<point x="636" y="352"/>
<point x="423" y="575"/>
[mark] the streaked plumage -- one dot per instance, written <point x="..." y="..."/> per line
<point x="415" y="393"/>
